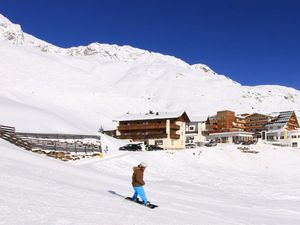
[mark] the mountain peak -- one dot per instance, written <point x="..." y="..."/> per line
<point x="3" y="19"/>
<point x="13" y="33"/>
<point x="10" y="32"/>
<point x="113" y="52"/>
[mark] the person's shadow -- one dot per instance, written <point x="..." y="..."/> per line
<point x="116" y="194"/>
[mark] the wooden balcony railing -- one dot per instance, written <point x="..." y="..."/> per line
<point x="142" y="127"/>
<point x="147" y="127"/>
<point x="238" y="125"/>
<point x="174" y="126"/>
<point x="257" y="121"/>
<point x="141" y="136"/>
<point x="174" y="136"/>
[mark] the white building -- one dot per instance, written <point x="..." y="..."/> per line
<point x="294" y="138"/>
<point x="231" y="137"/>
<point x="195" y="132"/>
<point x="282" y="129"/>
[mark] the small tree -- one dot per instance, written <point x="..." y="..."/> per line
<point x="101" y="130"/>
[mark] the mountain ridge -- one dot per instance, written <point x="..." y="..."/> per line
<point x="15" y="35"/>
<point x="89" y="86"/>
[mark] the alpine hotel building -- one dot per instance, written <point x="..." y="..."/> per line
<point x="166" y="130"/>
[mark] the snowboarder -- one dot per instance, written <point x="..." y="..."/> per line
<point x="138" y="183"/>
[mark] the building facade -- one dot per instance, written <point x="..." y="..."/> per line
<point x="280" y="129"/>
<point x="195" y="132"/>
<point x="231" y="137"/>
<point x="256" y="122"/>
<point x="225" y="121"/>
<point x="166" y="130"/>
<point x="294" y="138"/>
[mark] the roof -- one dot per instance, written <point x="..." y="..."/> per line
<point x="259" y="114"/>
<point x="198" y="118"/>
<point x="229" y="134"/>
<point x="282" y="119"/>
<point x="213" y="117"/>
<point x="240" y="116"/>
<point x="297" y="114"/>
<point x="152" y="116"/>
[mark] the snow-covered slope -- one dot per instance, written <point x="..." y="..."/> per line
<point x="216" y="186"/>
<point x="46" y="88"/>
<point x="89" y="86"/>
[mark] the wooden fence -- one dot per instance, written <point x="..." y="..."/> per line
<point x="7" y="129"/>
<point x="76" y="143"/>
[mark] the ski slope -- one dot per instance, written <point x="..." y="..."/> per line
<point x="45" y="88"/>
<point x="218" y="185"/>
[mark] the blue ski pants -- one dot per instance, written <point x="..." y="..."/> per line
<point x="139" y="191"/>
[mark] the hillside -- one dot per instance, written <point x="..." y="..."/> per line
<point x="81" y="88"/>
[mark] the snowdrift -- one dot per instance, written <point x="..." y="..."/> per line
<point x="218" y="185"/>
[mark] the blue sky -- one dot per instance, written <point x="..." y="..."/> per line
<point x="253" y="42"/>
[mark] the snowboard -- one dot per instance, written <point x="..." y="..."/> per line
<point x="151" y="206"/>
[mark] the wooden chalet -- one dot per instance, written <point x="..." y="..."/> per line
<point x="285" y="120"/>
<point x="278" y="130"/>
<point x="166" y="130"/>
<point x="256" y="122"/>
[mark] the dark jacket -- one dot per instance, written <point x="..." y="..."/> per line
<point x="138" y="177"/>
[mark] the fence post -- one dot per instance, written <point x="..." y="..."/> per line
<point x="100" y="151"/>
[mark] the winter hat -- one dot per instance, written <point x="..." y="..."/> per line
<point x="143" y="164"/>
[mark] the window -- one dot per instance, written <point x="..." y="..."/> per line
<point x="281" y="137"/>
<point x="189" y="140"/>
<point x="192" y="128"/>
<point x="294" y="144"/>
<point x="159" y="142"/>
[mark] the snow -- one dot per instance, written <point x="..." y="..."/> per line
<point x="150" y="116"/>
<point x="45" y="88"/>
<point x="87" y="87"/>
<point x="218" y="185"/>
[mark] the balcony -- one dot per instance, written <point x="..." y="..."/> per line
<point x="142" y="136"/>
<point x="238" y="125"/>
<point x="142" y="127"/>
<point x="174" y="126"/>
<point x="212" y="126"/>
<point x="262" y="121"/>
<point x="174" y="136"/>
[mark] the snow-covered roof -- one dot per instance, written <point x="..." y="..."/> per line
<point x="150" y="116"/>
<point x="298" y="115"/>
<point x="282" y="119"/>
<point x="229" y="134"/>
<point x="213" y="117"/>
<point x="276" y="124"/>
<point x="195" y="118"/>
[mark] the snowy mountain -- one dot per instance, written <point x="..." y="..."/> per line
<point x="88" y="86"/>
<point x="46" y="88"/>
